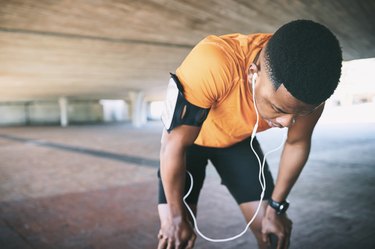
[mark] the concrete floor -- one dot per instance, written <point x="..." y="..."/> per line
<point x="95" y="187"/>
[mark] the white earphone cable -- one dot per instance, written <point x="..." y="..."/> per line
<point x="262" y="180"/>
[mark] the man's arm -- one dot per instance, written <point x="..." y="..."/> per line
<point x="295" y="153"/>
<point x="173" y="170"/>
<point x="294" y="156"/>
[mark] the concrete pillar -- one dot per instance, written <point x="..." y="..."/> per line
<point x="63" y="103"/>
<point x="138" y="110"/>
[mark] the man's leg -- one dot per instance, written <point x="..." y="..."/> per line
<point x="248" y="210"/>
<point x="239" y="170"/>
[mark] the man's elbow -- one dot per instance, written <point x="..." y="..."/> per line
<point x="304" y="143"/>
<point x="171" y="148"/>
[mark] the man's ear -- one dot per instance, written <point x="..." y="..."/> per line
<point x="252" y="73"/>
<point x="252" y="70"/>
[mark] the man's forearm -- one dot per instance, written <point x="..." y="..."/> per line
<point x="293" y="159"/>
<point x="172" y="170"/>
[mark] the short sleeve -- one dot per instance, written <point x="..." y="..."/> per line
<point x="206" y="73"/>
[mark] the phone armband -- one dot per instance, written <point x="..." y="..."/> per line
<point x="177" y="110"/>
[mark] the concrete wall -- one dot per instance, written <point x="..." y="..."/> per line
<point x="42" y="113"/>
<point x="12" y="114"/>
<point x="85" y="111"/>
<point x="48" y="112"/>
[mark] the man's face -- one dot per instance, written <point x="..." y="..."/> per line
<point x="278" y="107"/>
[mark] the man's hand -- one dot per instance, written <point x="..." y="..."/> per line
<point x="279" y="225"/>
<point x="176" y="234"/>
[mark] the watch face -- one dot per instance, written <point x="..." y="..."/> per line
<point x="283" y="207"/>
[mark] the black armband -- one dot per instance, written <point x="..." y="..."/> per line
<point x="177" y="110"/>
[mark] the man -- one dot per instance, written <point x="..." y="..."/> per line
<point x="210" y="115"/>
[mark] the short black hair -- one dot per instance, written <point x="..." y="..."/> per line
<point x="306" y="58"/>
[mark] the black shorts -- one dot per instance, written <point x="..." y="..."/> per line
<point x="237" y="166"/>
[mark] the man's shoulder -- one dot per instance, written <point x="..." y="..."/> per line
<point x="246" y="39"/>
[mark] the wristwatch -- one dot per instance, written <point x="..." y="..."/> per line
<point x="280" y="207"/>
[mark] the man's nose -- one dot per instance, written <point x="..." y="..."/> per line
<point x="286" y="120"/>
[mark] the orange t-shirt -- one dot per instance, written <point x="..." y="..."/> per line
<point x="214" y="75"/>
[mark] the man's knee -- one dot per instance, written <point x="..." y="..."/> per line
<point x="249" y="209"/>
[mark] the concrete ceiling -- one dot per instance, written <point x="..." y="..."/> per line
<point x="108" y="48"/>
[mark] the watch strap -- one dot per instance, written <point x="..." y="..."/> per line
<point x="280" y="207"/>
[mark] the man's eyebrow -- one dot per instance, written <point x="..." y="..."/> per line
<point x="279" y="109"/>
